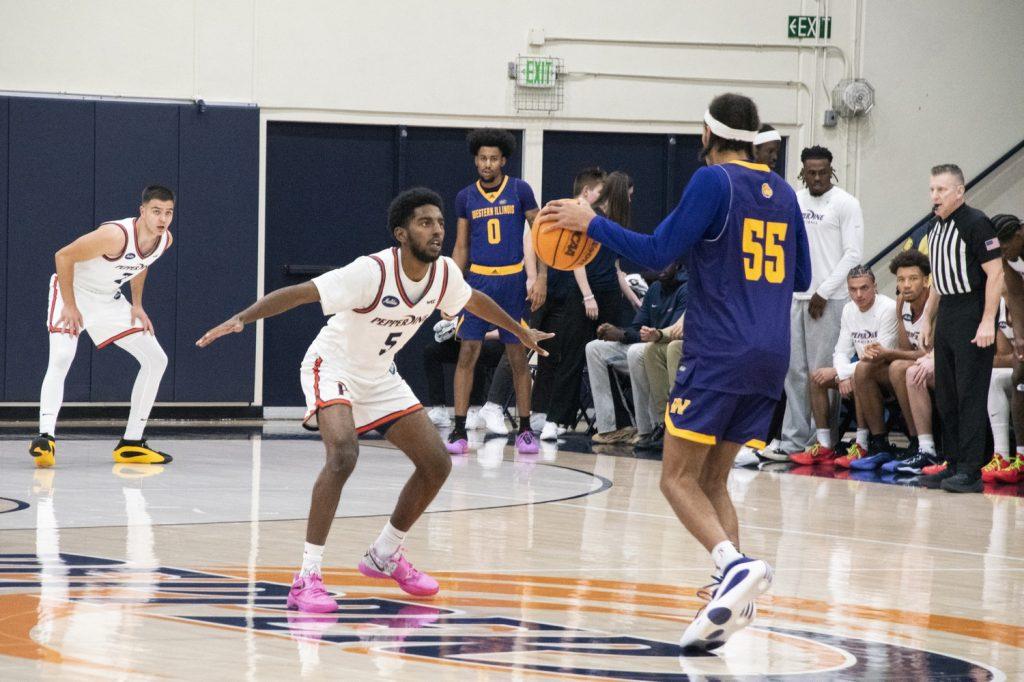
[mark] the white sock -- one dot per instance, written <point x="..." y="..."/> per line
<point x="863" y="435"/>
<point x="152" y="363"/>
<point x="926" y="443"/>
<point x="825" y="437"/>
<point x="1020" y="450"/>
<point x="723" y="554"/>
<point x="312" y="558"/>
<point x="388" y="542"/>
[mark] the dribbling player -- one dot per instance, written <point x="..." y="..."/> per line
<point x="741" y="234"/>
<point x="85" y="294"/>
<point x="377" y="303"/>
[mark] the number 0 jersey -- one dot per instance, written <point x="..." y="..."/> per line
<point x="376" y="309"/>
<point x="496" y="221"/>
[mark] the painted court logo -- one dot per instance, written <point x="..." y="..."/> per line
<point x="507" y="625"/>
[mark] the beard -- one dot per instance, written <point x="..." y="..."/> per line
<point x="421" y="254"/>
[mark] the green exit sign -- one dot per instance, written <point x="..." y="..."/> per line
<point x="809" y="27"/>
<point x="537" y="72"/>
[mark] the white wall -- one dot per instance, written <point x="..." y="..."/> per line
<point x="949" y="81"/>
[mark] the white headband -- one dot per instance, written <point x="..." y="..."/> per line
<point x="767" y="136"/>
<point x="727" y="133"/>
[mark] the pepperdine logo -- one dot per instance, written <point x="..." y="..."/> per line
<point x="812" y="216"/>
<point x="400" y="322"/>
<point x="465" y="629"/>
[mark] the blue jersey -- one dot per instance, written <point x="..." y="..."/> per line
<point x="741" y="233"/>
<point x="496" y="221"/>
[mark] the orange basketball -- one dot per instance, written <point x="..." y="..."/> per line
<point x="563" y="249"/>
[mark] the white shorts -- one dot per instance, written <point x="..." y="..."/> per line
<point x="107" y="317"/>
<point x="375" y="403"/>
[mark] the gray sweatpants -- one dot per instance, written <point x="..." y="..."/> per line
<point x="627" y="359"/>
<point x="811" y="346"/>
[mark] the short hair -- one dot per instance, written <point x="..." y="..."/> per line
<point x="586" y="178"/>
<point x="491" y="137"/>
<point x="1006" y="225"/>
<point x="911" y="258"/>
<point x="735" y="111"/>
<point x="860" y="271"/>
<point x="158" y="192"/>
<point x="950" y="168"/>
<point x="614" y="198"/>
<point x="816" y="152"/>
<point x="403" y="206"/>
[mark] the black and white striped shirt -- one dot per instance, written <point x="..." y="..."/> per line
<point x="957" y="248"/>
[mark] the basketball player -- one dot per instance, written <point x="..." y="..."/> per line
<point x="767" y="145"/>
<point x="741" y="234"/>
<point x="377" y="303"/>
<point x="85" y="294"/>
<point x="493" y="241"/>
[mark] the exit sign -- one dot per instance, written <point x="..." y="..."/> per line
<point x="537" y="72"/>
<point x="809" y="27"/>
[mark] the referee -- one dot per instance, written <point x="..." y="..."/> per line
<point x="967" y="277"/>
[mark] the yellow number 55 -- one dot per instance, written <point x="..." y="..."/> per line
<point x="762" y="248"/>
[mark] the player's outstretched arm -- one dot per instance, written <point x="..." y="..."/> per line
<point x="484" y="307"/>
<point x="274" y="303"/>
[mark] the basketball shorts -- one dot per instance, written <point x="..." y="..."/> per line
<point x="508" y="291"/>
<point x="376" y="403"/>
<point x="707" y="416"/>
<point x="106" y="316"/>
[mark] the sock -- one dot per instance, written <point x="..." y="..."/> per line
<point x="723" y="554"/>
<point x="460" y="425"/>
<point x="524" y="424"/>
<point x="926" y="443"/>
<point x="388" y="542"/>
<point x="824" y="437"/>
<point x="312" y="558"/>
<point x="862" y="438"/>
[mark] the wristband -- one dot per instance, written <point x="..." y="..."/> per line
<point x="589" y="298"/>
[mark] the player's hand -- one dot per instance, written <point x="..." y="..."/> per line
<point x="873" y="351"/>
<point x="649" y="334"/>
<point x="927" y="337"/>
<point x="816" y="307"/>
<point x="590" y="306"/>
<point x="70" y="321"/>
<point x="823" y="376"/>
<point x="537" y="294"/>
<point x="1018" y="346"/>
<point x="986" y="334"/>
<point x="143" y="319"/>
<point x="531" y="338"/>
<point x="233" y="325"/>
<point x="846" y="388"/>
<point x="568" y="214"/>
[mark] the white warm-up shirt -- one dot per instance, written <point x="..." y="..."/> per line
<point x="860" y="329"/>
<point x="835" y="234"/>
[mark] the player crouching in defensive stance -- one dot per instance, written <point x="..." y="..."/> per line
<point x="376" y="304"/>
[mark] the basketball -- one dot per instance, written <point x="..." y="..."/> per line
<point x="563" y="249"/>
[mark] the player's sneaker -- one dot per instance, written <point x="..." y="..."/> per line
<point x="399" y="569"/>
<point x="933" y="469"/>
<point x="934" y="481"/>
<point x="439" y="417"/>
<point x="854" y="453"/>
<point x="457" y="443"/>
<point x="309" y="596"/>
<point x="43" y="450"/>
<point x="493" y="419"/>
<point x="473" y="420"/>
<point x="994" y="466"/>
<point x="919" y="464"/>
<point x="139" y="452"/>
<point x="551" y="431"/>
<point x="730" y="608"/>
<point x="774" y="452"/>
<point x="526" y="443"/>
<point x="623" y="435"/>
<point x="879" y="452"/>
<point x="962" y="483"/>
<point x="746" y="457"/>
<point x="1013" y="473"/>
<point x="816" y="454"/>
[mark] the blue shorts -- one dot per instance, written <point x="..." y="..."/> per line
<point x="707" y="416"/>
<point x="508" y="291"/>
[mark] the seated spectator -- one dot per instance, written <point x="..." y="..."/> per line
<point x="661" y="361"/>
<point x="869" y="318"/>
<point x="445" y="350"/>
<point x="624" y="350"/>
<point x="1000" y="399"/>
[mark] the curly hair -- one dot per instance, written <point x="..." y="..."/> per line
<point x="911" y="258"/>
<point x="491" y="137"/>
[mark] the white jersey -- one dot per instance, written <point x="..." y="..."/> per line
<point x="104" y="275"/>
<point x="860" y="329"/>
<point x="376" y="309"/>
<point x="1003" y="323"/>
<point x="913" y="328"/>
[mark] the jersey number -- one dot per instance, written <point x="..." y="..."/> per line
<point x="390" y="342"/>
<point x="763" y="256"/>
<point x="493" y="231"/>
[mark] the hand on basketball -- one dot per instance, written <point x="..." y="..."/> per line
<point x="531" y="338"/>
<point x="70" y="321"/>
<point x="568" y="214"/>
<point x="232" y="326"/>
<point x="138" y="314"/>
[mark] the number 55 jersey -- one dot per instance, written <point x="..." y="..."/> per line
<point x="375" y="309"/>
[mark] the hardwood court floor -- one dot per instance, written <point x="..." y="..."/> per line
<point x="552" y="567"/>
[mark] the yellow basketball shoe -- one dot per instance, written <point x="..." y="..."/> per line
<point x="138" y="452"/>
<point x="43" y="450"/>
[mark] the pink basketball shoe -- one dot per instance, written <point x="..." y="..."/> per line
<point x="308" y="595"/>
<point x="401" y="571"/>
